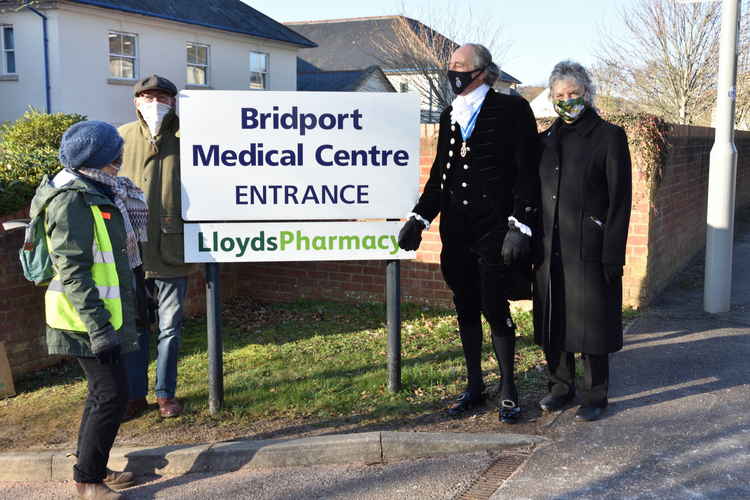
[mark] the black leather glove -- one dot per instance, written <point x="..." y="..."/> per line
<point x="516" y="247"/>
<point x="109" y="356"/>
<point x="611" y="273"/>
<point x="410" y="235"/>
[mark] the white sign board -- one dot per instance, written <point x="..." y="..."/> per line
<point x="292" y="241"/>
<point x="298" y="155"/>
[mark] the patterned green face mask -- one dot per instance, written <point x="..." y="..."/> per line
<point x="570" y="109"/>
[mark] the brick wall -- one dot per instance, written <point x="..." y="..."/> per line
<point x="196" y="297"/>
<point x="344" y="280"/>
<point x="22" y="326"/>
<point x="663" y="237"/>
<point x="21" y="310"/>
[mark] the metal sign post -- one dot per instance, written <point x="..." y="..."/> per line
<point x="393" y="312"/>
<point x="215" y="344"/>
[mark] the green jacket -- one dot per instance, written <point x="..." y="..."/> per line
<point x="70" y="227"/>
<point x="153" y="164"/>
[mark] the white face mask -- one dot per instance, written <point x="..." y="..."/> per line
<point x="153" y="113"/>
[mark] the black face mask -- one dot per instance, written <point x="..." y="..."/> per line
<point x="459" y="80"/>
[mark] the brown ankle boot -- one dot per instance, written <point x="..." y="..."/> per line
<point x="169" y="407"/>
<point x="119" y="480"/>
<point x="96" y="491"/>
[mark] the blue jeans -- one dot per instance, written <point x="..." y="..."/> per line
<point x="169" y="294"/>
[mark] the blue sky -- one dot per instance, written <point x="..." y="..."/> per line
<point x="540" y="32"/>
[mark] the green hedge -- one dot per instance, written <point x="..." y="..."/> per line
<point x="28" y="151"/>
<point x="647" y="137"/>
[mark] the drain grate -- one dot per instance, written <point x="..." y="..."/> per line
<point x="485" y="485"/>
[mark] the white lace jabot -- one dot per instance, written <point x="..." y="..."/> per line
<point x="465" y="105"/>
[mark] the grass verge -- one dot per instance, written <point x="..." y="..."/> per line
<point x="292" y="369"/>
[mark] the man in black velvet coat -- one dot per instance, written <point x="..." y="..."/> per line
<point x="484" y="184"/>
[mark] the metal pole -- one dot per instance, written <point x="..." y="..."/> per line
<point x="717" y="292"/>
<point x="47" y="90"/>
<point x="215" y="348"/>
<point x="393" y="313"/>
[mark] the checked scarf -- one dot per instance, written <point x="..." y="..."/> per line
<point x="131" y="202"/>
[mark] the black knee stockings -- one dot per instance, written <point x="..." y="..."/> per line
<point x="471" y="340"/>
<point x="505" y="351"/>
<point x="504" y="346"/>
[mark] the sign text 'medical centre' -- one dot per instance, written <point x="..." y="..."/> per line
<point x="256" y="154"/>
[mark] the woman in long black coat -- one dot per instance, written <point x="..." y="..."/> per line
<point x="586" y="193"/>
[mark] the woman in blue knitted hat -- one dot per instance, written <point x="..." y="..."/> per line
<point x="93" y="221"/>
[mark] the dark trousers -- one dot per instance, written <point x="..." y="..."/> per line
<point x="105" y="406"/>
<point x="595" y="375"/>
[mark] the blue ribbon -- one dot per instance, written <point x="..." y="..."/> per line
<point x="470" y="125"/>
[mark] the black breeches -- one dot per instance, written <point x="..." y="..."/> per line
<point x="478" y="286"/>
<point x="473" y="269"/>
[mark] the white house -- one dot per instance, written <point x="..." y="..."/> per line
<point x="542" y="106"/>
<point x="97" y="49"/>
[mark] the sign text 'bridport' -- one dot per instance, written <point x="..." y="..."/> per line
<point x="298" y="155"/>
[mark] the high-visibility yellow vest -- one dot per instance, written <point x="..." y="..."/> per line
<point x="60" y="313"/>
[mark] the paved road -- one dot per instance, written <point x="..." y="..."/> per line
<point x="679" y="423"/>
<point x="435" y="478"/>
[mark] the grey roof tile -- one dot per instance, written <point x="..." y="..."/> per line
<point x="226" y="15"/>
<point x="348" y="44"/>
<point x="332" y="81"/>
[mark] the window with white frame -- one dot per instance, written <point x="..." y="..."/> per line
<point x="122" y="55"/>
<point x="258" y="70"/>
<point x="197" y="64"/>
<point x="8" y="45"/>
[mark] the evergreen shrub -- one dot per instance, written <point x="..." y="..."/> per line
<point x="28" y="151"/>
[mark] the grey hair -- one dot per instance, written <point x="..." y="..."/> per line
<point x="571" y="70"/>
<point x="483" y="59"/>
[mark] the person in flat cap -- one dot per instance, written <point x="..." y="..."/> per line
<point x="151" y="159"/>
<point x="94" y="222"/>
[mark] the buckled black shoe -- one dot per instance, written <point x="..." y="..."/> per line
<point x="589" y="413"/>
<point x="464" y="402"/>
<point x="552" y="402"/>
<point x="509" y="411"/>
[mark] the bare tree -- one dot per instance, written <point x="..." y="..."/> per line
<point x="420" y="50"/>
<point x="609" y="88"/>
<point x="7" y="6"/>
<point x="668" y="60"/>
<point x="742" y="108"/>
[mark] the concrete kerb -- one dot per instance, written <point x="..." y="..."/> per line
<point x="361" y="448"/>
